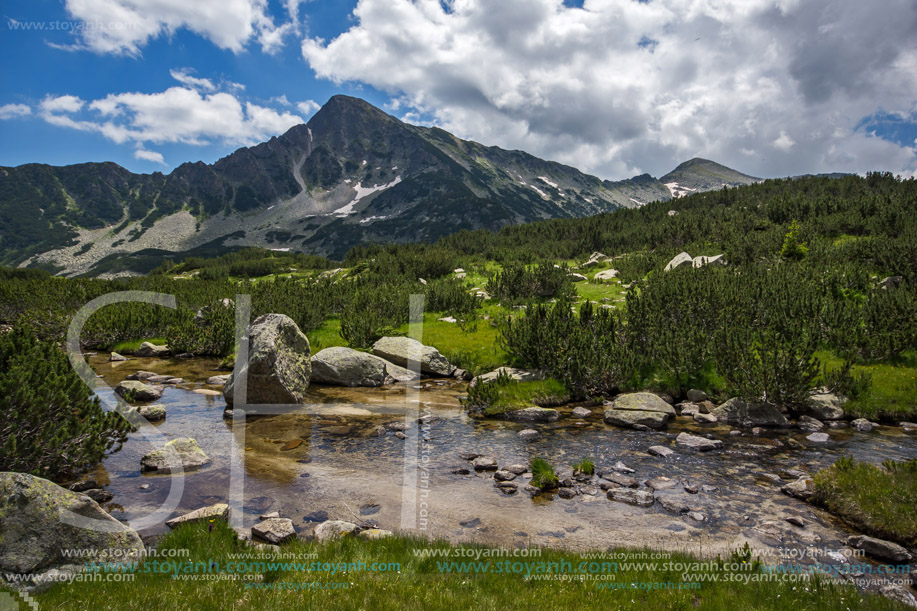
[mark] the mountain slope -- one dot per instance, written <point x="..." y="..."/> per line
<point x="352" y="174"/>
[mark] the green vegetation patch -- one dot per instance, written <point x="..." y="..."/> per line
<point x="504" y="394"/>
<point x="878" y="500"/>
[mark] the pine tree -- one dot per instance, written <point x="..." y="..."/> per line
<point x="50" y="423"/>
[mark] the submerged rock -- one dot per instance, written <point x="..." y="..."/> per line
<point x="133" y="390"/>
<point x="182" y="454"/>
<point x="696" y="442"/>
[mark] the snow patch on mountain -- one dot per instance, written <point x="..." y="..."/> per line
<point x="361" y="193"/>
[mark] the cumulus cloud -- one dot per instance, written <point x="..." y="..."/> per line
<point x="307" y="107"/>
<point x="618" y="87"/>
<point x="12" y="111"/>
<point x="142" y="153"/>
<point x="182" y="76"/>
<point x="125" y="26"/>
<point x="177" y="115"/>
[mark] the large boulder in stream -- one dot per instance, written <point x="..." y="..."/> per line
<point x="40" y="521"/>
<point x="278" y="368"/>
<point x="399" y="350"/>
<point x="738" y="412"/>
<point x="348" y="367"/>
<point x="639" y="408"/>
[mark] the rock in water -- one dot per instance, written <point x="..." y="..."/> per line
<point x="132" y="390"/>
<point x="348" y="367"/>
<point x="278" y="367"/>
<point x="639" y="409"/>
<point x="741" y="413"/>
<point x="37" y="528"/>
<point x="533" y="414"/>
<point x="147" y="349"/>
<point x="880" y="549"/>
<point x="183" y="452"/>
<point x="116" y="357"/>
<point x="696" y="442"/>
<point x="399" y="349"/>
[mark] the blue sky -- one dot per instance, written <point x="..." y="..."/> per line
<point x="614" y="87"/>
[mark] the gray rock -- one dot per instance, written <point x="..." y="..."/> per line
<point x="374" y="534"/>
<point x="153" y="413"/>
<point x="807" y="423"/>
<point x="803" y="488"/>
<point x="117" y="357"/>
<point x="275" y="530"/>
<point x="504" y="475"/>
<point x="147" y="349"/>
<point x="519" y="375"/>
<point x="334" y="529"/>
<point x="641" y="498"/>
<point x="566" y="493"/>
<point x="529" y="435"/>
<point x="581" y="412"/>
<point x="696" y="396"/>
<point x="99" y="495"/>
<point x="909" y="427"/>
<point x="625" y="481"/>
<point x="818" y="437"/>
<point x="825" y="406"/>
<point x="516" y="469"/>
<point x="697" y="516"/>
<point x="686" y="408"/>
<point x="704" y="418"/>
<point x="484" y="463"/>
<point x="741" y="413"/>
<point x="533" y="414"/>
<point x="676" y="502"/>
<point x="278" y="367"/>
<point x="796" y="521"/>
<point x="642" y="401"/>
<point x="880" y="549"/>
<point x="660" y="451"/>
<point x="219" y="511"/>
<point x="605" y="275"/>
<point x="399" y="349"/>
<point x="218" y="380"/>
<point x="633" y="418"/>
<point x="143" y="376"/>
<point x="133" y="390"/>
<point x="41" y="519"/>
<point x="622" y="468"/>
<point x="661" y="483"/>
<point x="899" y="594"/>
<point x="679" y="260"/>
<point x="696" y="442"/>
<point x="182" y="454"/>
<point x="863" y="425"/>
<point x="348" y="367"/>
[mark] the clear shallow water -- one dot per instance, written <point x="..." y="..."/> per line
<point x="344" y="467"/>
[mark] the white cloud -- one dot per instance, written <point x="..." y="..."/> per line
<point x="776" y="88"/>
<point x="125" y="26"/>
<point x="184" y="78"/>
<point x="178" y="114"/>
<point x="10" y="111"/>
<point x="142" y="153"/>
<point x="307" y="107"/>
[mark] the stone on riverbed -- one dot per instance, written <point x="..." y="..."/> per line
<point x="641" y="498"/>
<point x="399" y="350"/>
<point x="278" y="367"/>
<point x="484" y="463"/>
<point x="863" y="425"/>
<point x="660" y="451"/>
<point x="147" y="349"/>
<point x="529" y="435"/>
<point x="803" y="488"/>
<point x="643" y="402"/>
<point x="182" y="454"/>
<point x="217" y="380"/>
<point x="880" y="549"/>
<point x="696" y="442"/>
<point x="153" y="413"/>
<point x="532" y="414"/>
<point x="115" y="357"/>
<point x="581" y="412"/>
<point x="133" y="390"/>
<point x="634" y="418"/>
<point x="348" y="367"/>
<point x="741" y="413"/>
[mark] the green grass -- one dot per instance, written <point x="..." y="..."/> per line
<point x="543" y="475"/>
<point x="326" y="336"/>
<point x="519" y="395"/>
<point x="423" y="583"/>
<point x="475" y="350"/>
<point x="131" y="345"/>
<point x="585" y="466"/>
<point x="878" y="500"/>
<point x="892" y="396"/>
